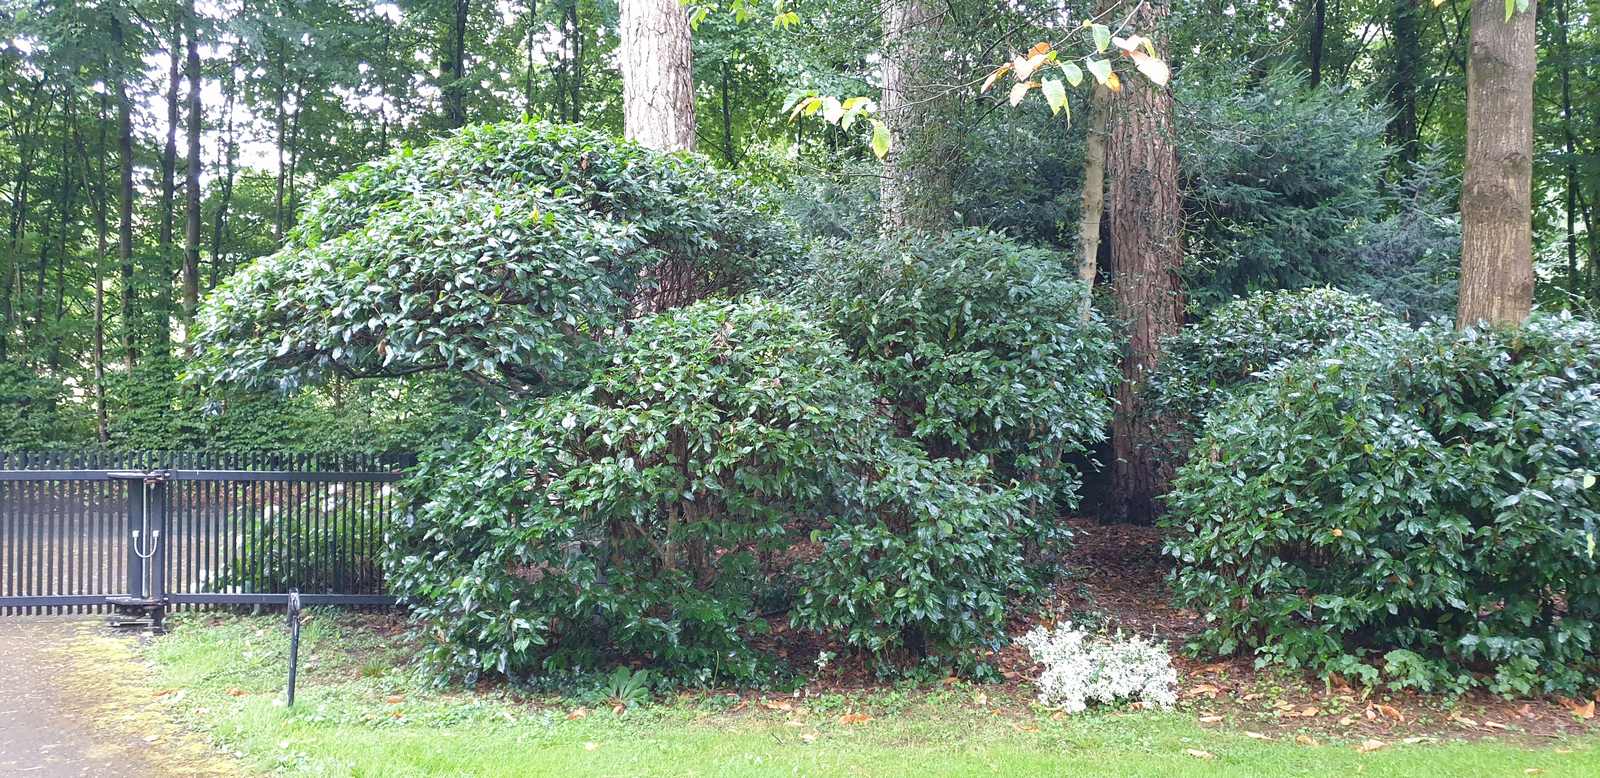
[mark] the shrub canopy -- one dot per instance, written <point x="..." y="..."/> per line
<point x="1420" y="501"/>
<point x="976" y="344"/>
<point x="627" y="519"/>
<point x="503" y="251"/>
<point x="1229" y="350"/>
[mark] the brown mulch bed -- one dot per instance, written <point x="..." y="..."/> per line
<point x="1119" y="572"/>
<point x="1118" y="582"/>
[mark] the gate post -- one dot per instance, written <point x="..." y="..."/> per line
<point x="156" y="550"/>
<point x="136" y="524"/>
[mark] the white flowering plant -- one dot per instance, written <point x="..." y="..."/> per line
<point x="1082" y="668"/>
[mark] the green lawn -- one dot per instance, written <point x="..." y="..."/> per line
<point x="358" y="714"/>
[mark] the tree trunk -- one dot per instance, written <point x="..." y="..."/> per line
<point x="1569" y="142"/>
<point x="1405" y="30"/>
<point x="728" y="155"/>
<point x="1317" y="40"/>
<point x="1146" y="257"/>
<point x="225" y="197"/>
<point x="191" y="231"/>
<point x="657" y="74"/>
<point x="130" y="353"/>
<point x="11" y="272"/>
<point x="169" y="175"/>
<point x="1497" y="184"/>
<point x="455" y="68"/>
<point x="916" y="189"/>
<point x="1094" y="195"/>
<point x="100" y="232"/>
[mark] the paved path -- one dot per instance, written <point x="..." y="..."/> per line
<point x="46" y="724"/>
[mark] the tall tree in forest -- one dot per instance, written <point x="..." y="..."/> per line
<point x="455" y="67"/>
<point x="191" y="227"/>
<point x="657" y="58"/>
<point x="1146" y="232"/>
<point x="169" y="186"/>
<point x="1405" y="50"/>
<point x="1093" y="196"/>
<point x="119" y="70"/>
<point x="1497" y="183"/>
<point x="916" y="188"/>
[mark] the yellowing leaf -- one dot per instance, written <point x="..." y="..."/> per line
<point x="1102" y="37"/>
<point x="1039" y="48"/>
<point x="1020" y="90"/>
<point x="1152" y="68"/>
<point x="1114" y="82"/>
<point x="806" y="106"/>
<point x="1128" y="44"/>
<point x="1026" y="67"/>
<point x="832" y="109"/>
<point x="993" y="77"/>
<point x="1099" y="68"/>
<point x="1074" y="76"/>
<point x="880" y="139"/>
<point x="1055" y="94"/>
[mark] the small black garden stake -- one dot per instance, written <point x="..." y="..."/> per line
<point x="294" y="639"/>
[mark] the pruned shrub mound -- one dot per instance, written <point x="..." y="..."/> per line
<point x="627" y="519"/>
<point x="920" y="562"/>
<point x="1417" y="507"/>
<point x="503" y="252"/>
<point x="1229" y="350"/>
<point x="977" y="345"/>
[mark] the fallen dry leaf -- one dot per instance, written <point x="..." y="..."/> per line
<point x="809" y="737"/>
<point x="1204" y="688"/>
<point x="1391" y="711"/>
<point x="1495" y="725"/>
<point x="1210" y="719"/>
<point x="1463" y="720"/>
<point x="1583" y="710"/>
<point x="590" y="746"/>
<point x="578" y="713"/>
<point x="1198" y="754"/>
<point x="854" y="718"/>
<point x="394" y="699"/>
<point x="237" y="692"/>
<point x="1369" y="745"/>
<point x="1306" y="712"/>
<point x="1306" y="740"/>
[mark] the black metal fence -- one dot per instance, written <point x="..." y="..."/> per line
<point x="95" y="531"/>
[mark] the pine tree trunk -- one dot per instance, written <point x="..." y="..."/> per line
<point x="1405" y="27"/>
<point x="916" y="189"/>
<point x="1316" y="44"/>
<point x="1146" y="257"/>
<point x="1094" y="195"/>
<point x="455" y="68"/>
<point x="1497" y="185"/>
<point x="657" y="74"/>
<point x="169" y="186"/>
<point x="101" y="230"/>
<point x="191" y="231"/>
<point x="130" y="352"/>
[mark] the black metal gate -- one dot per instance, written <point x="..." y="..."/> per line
<point x="145" y="532"/>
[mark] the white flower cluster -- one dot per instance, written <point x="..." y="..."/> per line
<point x="1080" y="668"/>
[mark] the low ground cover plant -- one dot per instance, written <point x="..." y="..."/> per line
<point x="1081" y="668"/>
<point x="1414" y="507"/>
